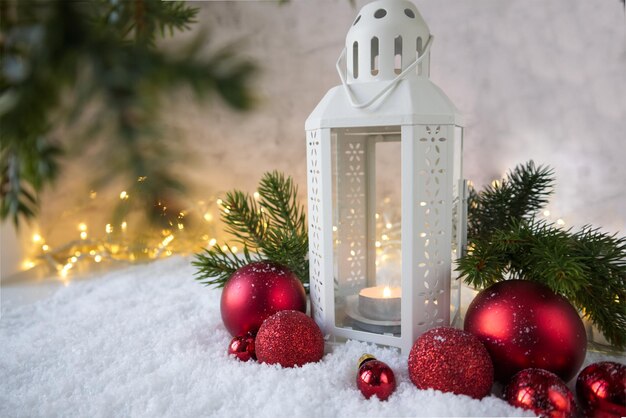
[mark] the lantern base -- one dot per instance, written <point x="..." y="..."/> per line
<point x="367" y="324"/>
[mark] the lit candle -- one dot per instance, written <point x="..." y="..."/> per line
<point x="380" y="303"/>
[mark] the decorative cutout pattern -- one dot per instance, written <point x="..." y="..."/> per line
<point x="316" y="260"/>
<point x="433" y="250"/>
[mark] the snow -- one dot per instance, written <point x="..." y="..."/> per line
<point x="148" y="341"/>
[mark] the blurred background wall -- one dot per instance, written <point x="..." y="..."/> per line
<point x="541" y="80"/>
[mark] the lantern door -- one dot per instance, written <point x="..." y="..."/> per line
<point x="366" y="229"/>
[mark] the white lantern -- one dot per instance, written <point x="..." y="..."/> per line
<point x="386" y="138"/>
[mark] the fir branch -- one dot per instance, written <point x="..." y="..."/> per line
<point x="273" y="229"/>
<point x="215" y="265"/>
<point x="506" y="241"/>
<point x="244" y="219"/>
<point x="519" y="196"/>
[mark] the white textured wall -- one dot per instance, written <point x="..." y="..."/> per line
<point x="535" y="79"/>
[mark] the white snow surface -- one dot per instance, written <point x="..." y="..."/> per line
<point x="148" y="341"/>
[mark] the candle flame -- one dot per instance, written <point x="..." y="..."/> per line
<point x="386" y="292"/>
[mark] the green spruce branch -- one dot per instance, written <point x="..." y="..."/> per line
<point x="273" y="228"/>
<point x="506" y="241"/>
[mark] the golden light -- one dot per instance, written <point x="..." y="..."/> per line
<point x="73" y="259"/>
<point x="108" y="228"/>
<point x="256" y="195"/>
<point x="386" y="292"/>
<point x="92" y="252"/>
<point x="560" y="222"/>
<point x="546" y="213"/>
<point x="212" y="242"/>
<point x="334" y="228"/>
<point x="208" y="217"/>
<point x="123" y="195"/>
<point x="224" y="247"/>
<point x="388" y="225"/>
<point x="167" y="240"/>
<point x="83" y="235"/>
<point x="495" y="183"/>
<point x="378" y="244"/>
<point x="385" y="237"/>
<point x="93" y="195"/>
<point x="234" y="249"/>
<point x="45" y="247"/>
<point x="82" y="226"/>
<point x="124" y="225"/>
<point x="219" y="202"/>
<point x="28" y="264"/>
<point x="97" y="258"/>
<point x="377" y="215"/>
<point x="181" y="227"/>
<point x="36" y="238"/>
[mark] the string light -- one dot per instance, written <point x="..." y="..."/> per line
<point x="212" y="242"/>
<point x="124" y="225"/>
<point x="546" y="213"/>
<point x="82" y="226"/>
<point x="83" y="235"/>
<point x="256" y="195"/>
<point x="45" y="247"/>
<point x="123" y="195"/>
<point x="108" y="228"/>
<point x="560" y="222"/>
<point x="208" y="217"/>
<point x="36" y="238"/>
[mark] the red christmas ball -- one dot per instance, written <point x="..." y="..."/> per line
<point x="526" y="325"/>
<point x="601" y="389"/>
<point x="451" y="360"/>
<point x="255" y="292"/>
<point x="542" y="392"/>
<point x="289" y="338"/>
<point x="375" y="378"/>
<point x="242" y="347"/>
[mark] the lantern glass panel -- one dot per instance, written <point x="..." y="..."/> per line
<point x="366" y="181"/>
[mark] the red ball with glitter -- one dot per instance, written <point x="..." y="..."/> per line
<point x="242" y="347"/>
<point x="257" y="291"/>
<point x="289" y="338"/>
<point x="542" y="392"/>
<point x="375" y="378"/>
<point x="526" y="325"/>
<point x="601" y="389"/>
<point x="451" y="360"/>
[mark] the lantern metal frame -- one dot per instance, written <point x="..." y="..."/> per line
<point x="386" y="95"/>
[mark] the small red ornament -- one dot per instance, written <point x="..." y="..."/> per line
<point x="257" y="291"/>
<point x="526" y="325"/>
<point x="375" y="378"/>
<point x="242" y="347"/>
<point x="289" y="338"/>
<point x="451" y="360"/>
<point x="542" y="392"/>
<point x="601" y="389"/>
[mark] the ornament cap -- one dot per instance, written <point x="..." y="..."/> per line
<point x="364" y="359"/>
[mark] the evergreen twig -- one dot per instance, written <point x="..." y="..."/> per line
<point x="273" y="229"/>
<point x="507" y="241"/>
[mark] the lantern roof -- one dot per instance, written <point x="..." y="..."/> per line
<point x="413" y="101"/>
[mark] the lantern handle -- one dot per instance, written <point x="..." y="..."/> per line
<point x="389" y="86"/>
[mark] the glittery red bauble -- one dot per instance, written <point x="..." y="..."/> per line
<point x="375" y="378"/>
<point x="451" y="360"/>
<point x="255" y="292"/>
<point x="601" y="389"/>
<point x="542" y="392"/>
<point x="242" y="347"/>
<point x="526" y="325"/>
<point x="289" y="338"/>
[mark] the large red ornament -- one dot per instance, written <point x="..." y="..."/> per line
<point x="451" y="360"/>
<point x="375" y="378"/>
<point x="525" y="325"/>
<point x="289" y="338"/>
<point x="255" y="292"/>
<point x="542" y="392"/>
<point x="242" y="347"/>
<point x="601" y="389"/>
